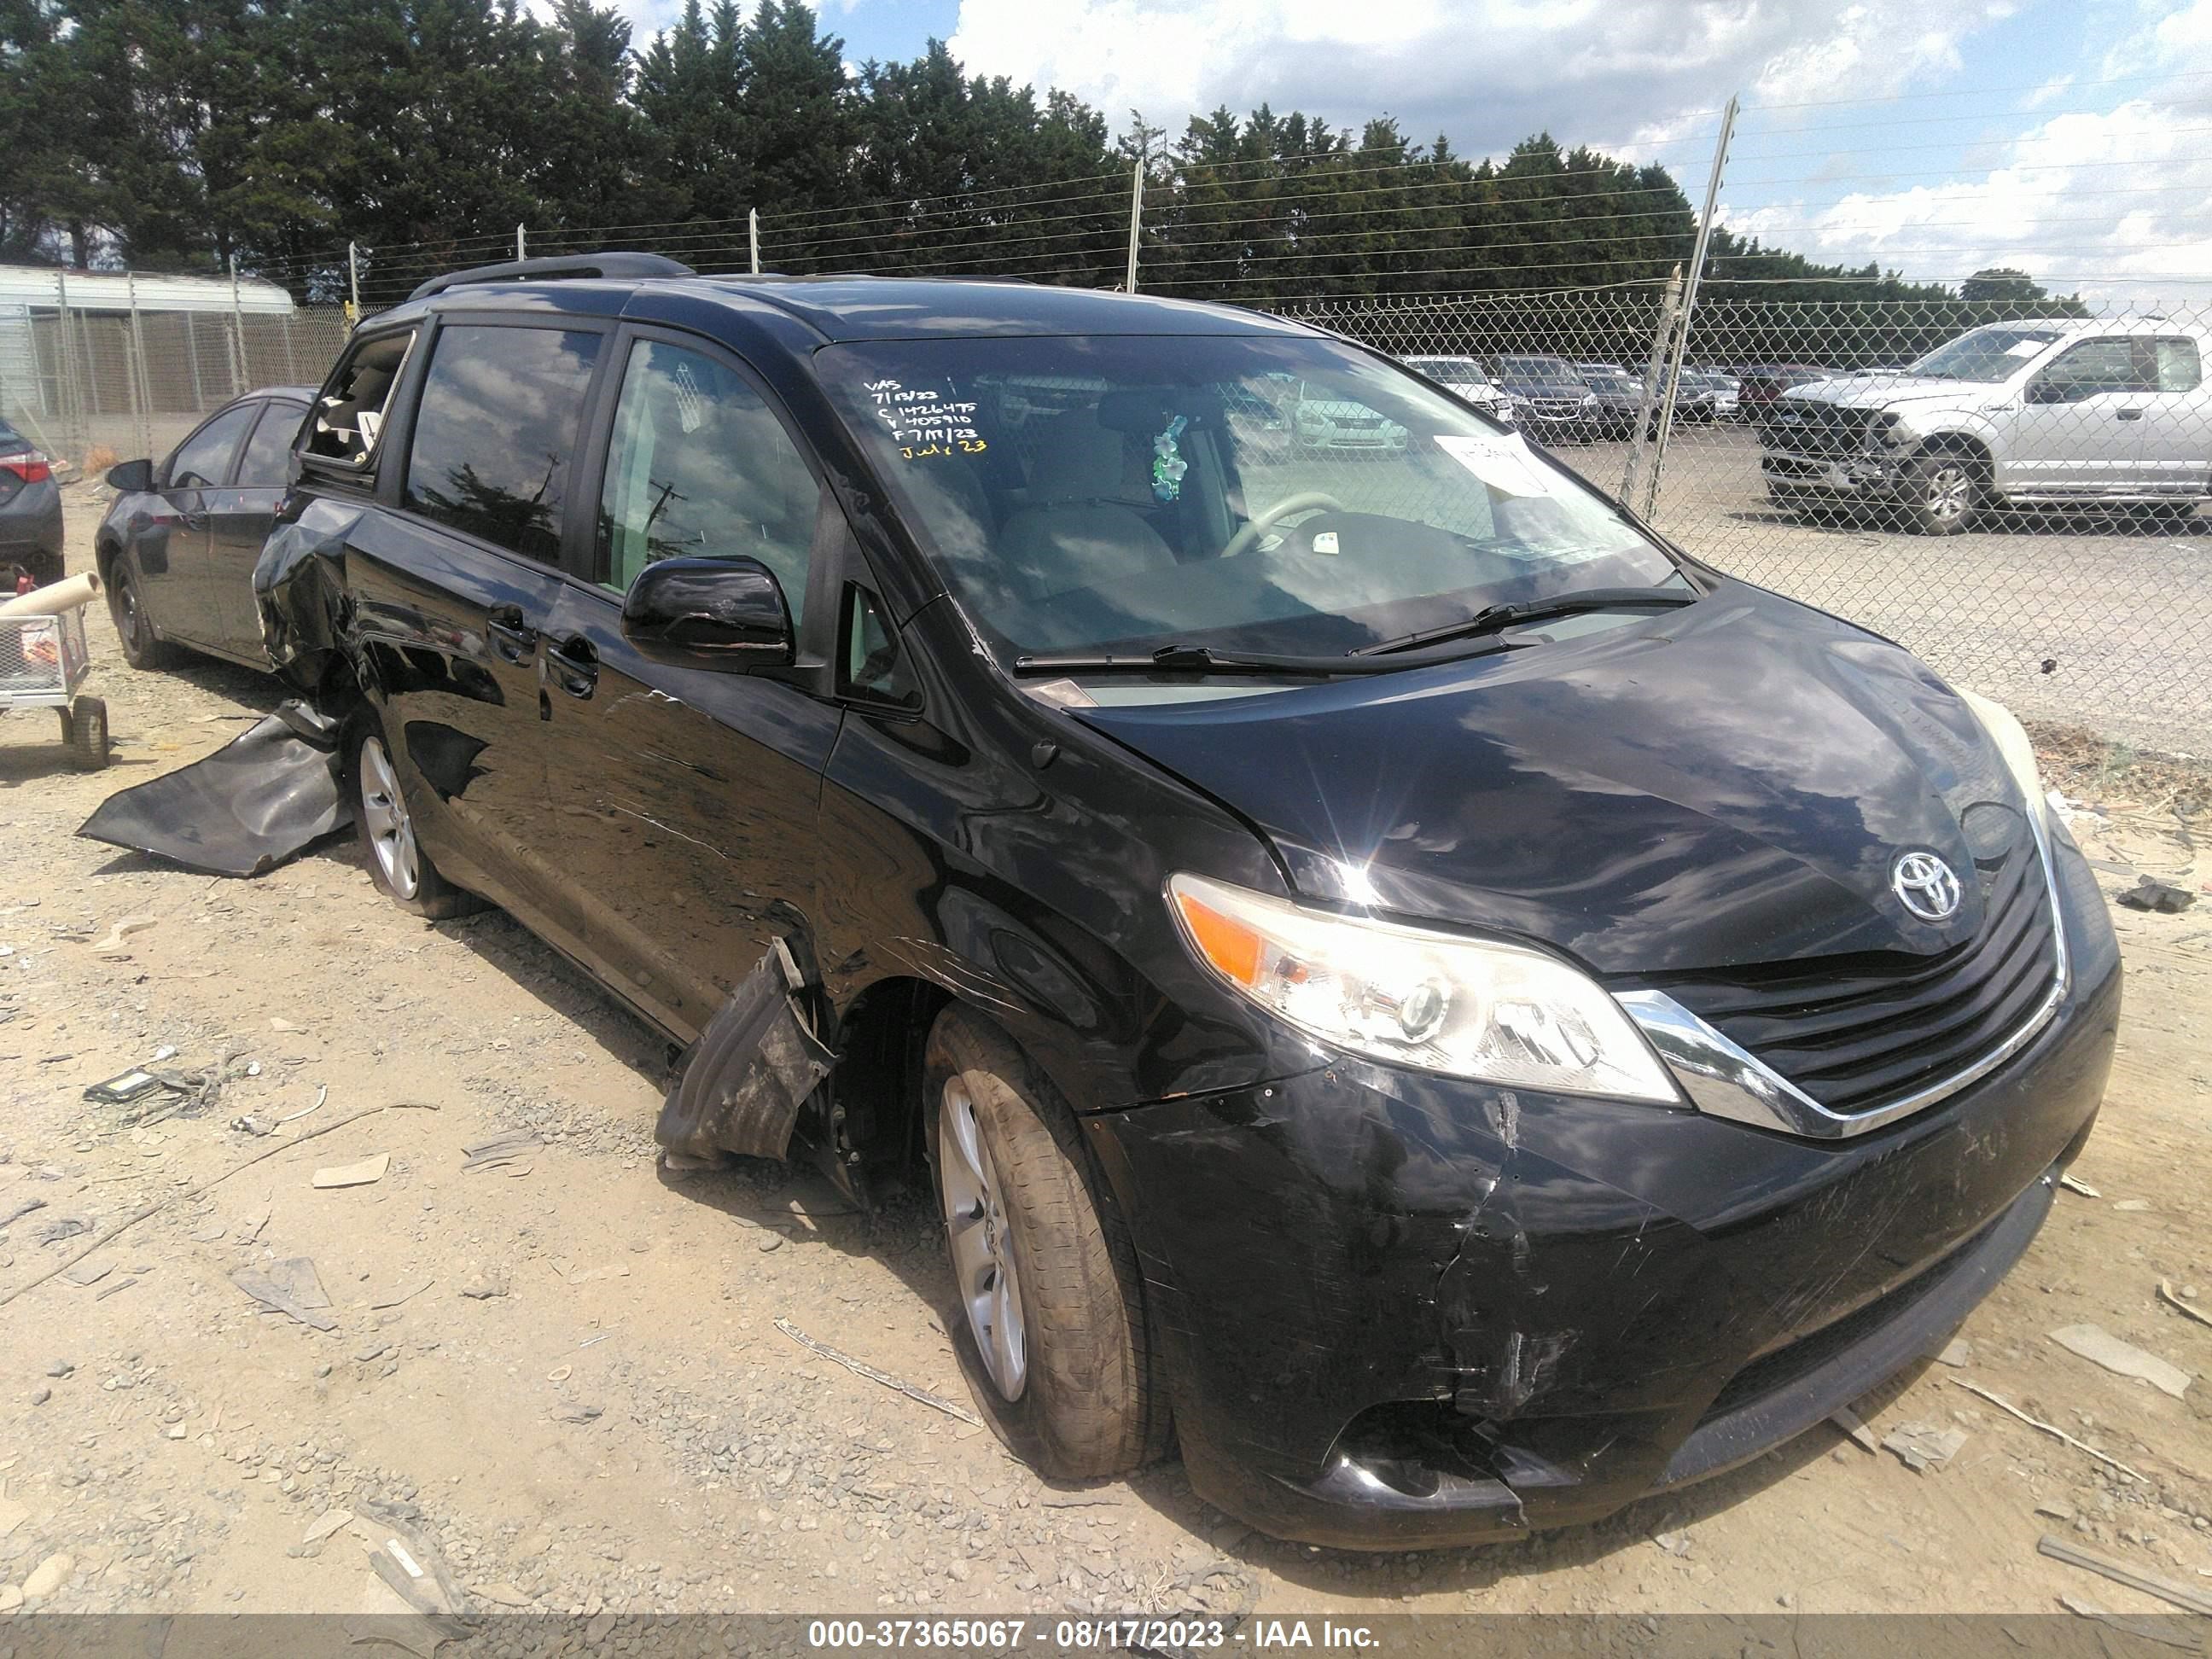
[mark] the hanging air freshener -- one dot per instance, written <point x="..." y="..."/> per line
<point x="1168" y="466"/>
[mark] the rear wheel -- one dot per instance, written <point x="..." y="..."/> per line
<point x="397" y="862"/>
<point x="1940" y="493"/>
<point x="1050" y="1328"/>
<point x="126" y="606"/>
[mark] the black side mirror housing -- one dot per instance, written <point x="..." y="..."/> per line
<point x="129" y="478"/>
<point x="709" y="613"/>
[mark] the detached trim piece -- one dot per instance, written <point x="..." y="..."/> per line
<point x="750" y="1072"/>
<point x="1724" y="1079"/>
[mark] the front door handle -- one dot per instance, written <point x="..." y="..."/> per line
<point x="573" y="666"/>
<point x="2130" y="414"/>
<point x="511" y="636"/>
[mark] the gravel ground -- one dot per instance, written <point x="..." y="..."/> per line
<point x="562" y="1380"/>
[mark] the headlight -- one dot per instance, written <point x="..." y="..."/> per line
<point x="2018" y="753"/>
<point x="1466" y="1007"/>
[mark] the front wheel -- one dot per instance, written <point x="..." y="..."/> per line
<point x="397" y="862"/>
<point x="1050" y="1328"/>
<point x="1940" y="493"/>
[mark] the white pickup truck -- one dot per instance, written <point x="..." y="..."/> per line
<point x="2066" y="411"/>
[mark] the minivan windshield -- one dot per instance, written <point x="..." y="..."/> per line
<point x="1243" y="492"/>
<point x="1538" y="369"/>
<point x="1987" y="355"/>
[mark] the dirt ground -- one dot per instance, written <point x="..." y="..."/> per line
<point x="565" y="1377"/>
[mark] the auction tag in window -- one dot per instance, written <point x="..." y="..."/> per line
<point x="1502" y="464"/>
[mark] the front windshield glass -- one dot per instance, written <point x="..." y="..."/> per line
<point x="1247" y="493"/>
<point x="1538" y="369"/>
<point x="1987" y="355"/>
<point x="1450" y="371"/>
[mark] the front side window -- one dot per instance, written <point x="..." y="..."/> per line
<point x="202" y="460"/>
<point x="1114" y="493"/>
<point x="349" y="413"/>
<point x="700" y="467"/>
<point x="495" y="432"/>
<point x="2094" y="366"/>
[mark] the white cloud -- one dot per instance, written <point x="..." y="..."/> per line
<point x="1486" y="72"/>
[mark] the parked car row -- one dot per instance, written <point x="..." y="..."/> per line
<point x="1557" y="401"/>
<point x="1448" y="1011"/>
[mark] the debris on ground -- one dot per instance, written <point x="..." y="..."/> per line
<point x="323" y="1525"/>
<point x="2149" y="893"/>
<point x="290" y="1286"/>
<point x="861" y="1367"/>
<point x="361" y="1174"/>
<point x="485" y="1287"/>
<point x="2166" y="1295"/>
<point x="2187" y="1597"/>
<point x="1851" y="1423"/>
<point x="1958" y="1352"/>
<point x="2076" y="1184"/>
<point x="2050" y="1428"/>
<point x="1923" y="1446"/>
<point x="87" y="1272"/>
<point x="123" y="1088"/>
<point x="2100" y="1347"/>
<point x="511" y="1151"/>
<point x="404" y="1296"/>
<point x="577" y="1413"/>
<point x="2148" y="1629"/>
<point x="49" y="1576"/>
<point x="113" y="945"/>
<point x="1676" y="1544"/>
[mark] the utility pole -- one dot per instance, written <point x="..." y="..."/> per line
<point x="752" y="236"/>
<point x="522" y="243"/>
<point x="353" y="283"/>
<point x="1136" y="221"/>
<point x="1689" y="304"/>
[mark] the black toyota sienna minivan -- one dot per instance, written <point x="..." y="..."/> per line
<point x="1402" y="984"/>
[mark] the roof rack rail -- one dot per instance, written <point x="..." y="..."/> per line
<point x="557" y="268"/>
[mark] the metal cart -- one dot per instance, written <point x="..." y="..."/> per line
<point x="43" y="661"/>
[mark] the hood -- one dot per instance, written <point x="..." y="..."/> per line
<point x="1886" y="391"/>
<point x="1339" y="410"/>
<point x="1726" y="784"/>
<point x="1573" y="389"/>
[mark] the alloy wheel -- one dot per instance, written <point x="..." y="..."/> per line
<point x="1950" y="492"/>
<point x="384" y="820"/>
<point x="982" y="1255"/>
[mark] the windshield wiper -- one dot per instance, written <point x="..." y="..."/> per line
<point x="1491" y="618"/>
<point x="1204" y="659"/>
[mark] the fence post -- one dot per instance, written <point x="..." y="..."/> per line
<point x="241" y="372"/>
<point x="353" y="283"/>
<point x="1660" y="336"/>
<point x="522" y="243"/>
<point x="1689" y="306"/>
<point x="141" y="385"/>
<point x="1136" y="221"/>
<point x="192" y="356"/>
<point x="752" y="236"/>
<point x="68" y="392"/>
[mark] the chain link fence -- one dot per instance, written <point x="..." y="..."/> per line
<point x="2020" y="510"/>
<point x="2010" y="489"/>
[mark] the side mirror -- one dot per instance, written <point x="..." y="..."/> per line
<point x="709" y="613"/>
<point x="2043" y="391"/>
<point x="129" y="478"/>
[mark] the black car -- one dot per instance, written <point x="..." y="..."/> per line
<point x="30" y="512"/>
<point x="176" y="548"/>
<point x="1550" y="402"/>
<point x="1462" y="1013"/>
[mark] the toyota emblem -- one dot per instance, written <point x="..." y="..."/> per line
<point x="1924" y="884"/>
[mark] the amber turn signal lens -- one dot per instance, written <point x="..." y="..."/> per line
<point x="1228" y="944"/>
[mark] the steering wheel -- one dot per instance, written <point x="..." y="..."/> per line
<point x="1262" y="522"/>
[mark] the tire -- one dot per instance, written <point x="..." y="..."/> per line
<point x="397" y="863"/>
<point x="87" y="734"/>
<point x="1063" y="1366"/>
<point x="126" y="607"/>
<point x="1940" y="495"/>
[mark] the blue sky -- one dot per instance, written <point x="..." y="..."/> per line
<point x="2070" y="137"/>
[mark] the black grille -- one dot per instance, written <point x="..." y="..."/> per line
<point x="1855" y="1031"/>
<point x="1813" y="429"/>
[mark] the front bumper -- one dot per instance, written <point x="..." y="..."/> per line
<point x="1401" y="1311"/>
<point x="1848" y="474"/>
